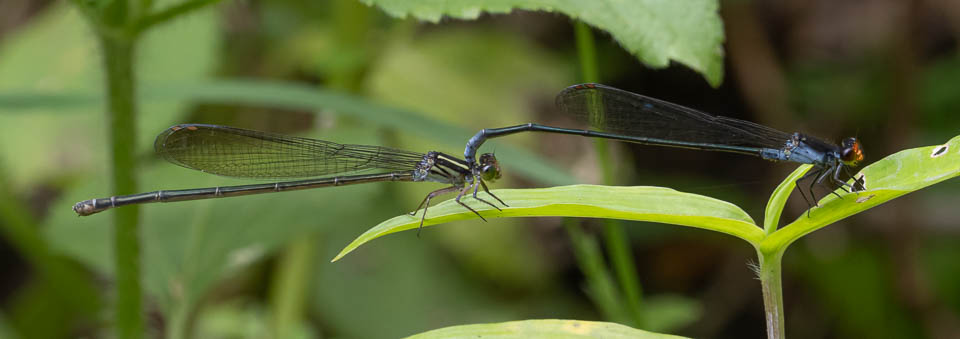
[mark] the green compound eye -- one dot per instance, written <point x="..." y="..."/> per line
<point x="489" y="167"/>
<point x="490" y="173"/>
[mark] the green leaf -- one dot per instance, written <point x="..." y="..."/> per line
<point x="541" y="328"/>
<point x="641" y="203"/>
<point x="689" y="31"/>
<point x="893" y="176"/>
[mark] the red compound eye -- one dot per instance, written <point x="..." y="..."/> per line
<point x="852" y="152"/>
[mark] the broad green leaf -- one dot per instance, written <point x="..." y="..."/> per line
<point x="898" y="174"/>
<point x="542" y="328"/>
<point x="688" y="31"/>
<point x="640" y="203"/>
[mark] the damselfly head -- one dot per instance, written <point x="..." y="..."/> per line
<point x="852" y="153"/>
<point x="489" y="167"/>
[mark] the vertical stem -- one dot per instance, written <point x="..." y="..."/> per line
<point x="177" y="322"/>
<point x="770" y="281"/>
<point x="290" y="288"/>
<point x="618" y="248"/>
<point x="118" y="53"/>
<point x="587" y="52"/>
<point x="352" y="20"/>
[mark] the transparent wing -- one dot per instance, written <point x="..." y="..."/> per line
<point x="621" y="112"/>
<point x="236" y="152"/>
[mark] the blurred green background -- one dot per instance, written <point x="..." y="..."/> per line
<point x="885" y="71"/>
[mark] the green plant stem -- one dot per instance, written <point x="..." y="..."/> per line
<point x="289" y="292"/>
<point x="118" y="56"/>
<point x="587" y="52"/>
<point x="353" y="22"/>
<point x="770" y="281"/>
<point x="178" y="321"/>
<point x="618" y="247"/>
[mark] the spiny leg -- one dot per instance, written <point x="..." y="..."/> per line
<point x="857" y="182"/>
<point x="476" y="179"/>
<point x="797" y="185"/>
<point x="426" y="199"/>
<point x="426" y="204"/>
<point x="491" y="194"/>
<point x="825" y="175"/>
<point x="813" y="195"/>
<point x="836" y="180"/>
<point x="460" y="195"/>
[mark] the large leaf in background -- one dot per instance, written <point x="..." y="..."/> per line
<point x="57" y="53"/>
<point x="656" y="31"/>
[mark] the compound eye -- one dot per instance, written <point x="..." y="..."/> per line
<point x="490" y="168"/>
<point x="852" y="153"/>
<point x="490" y="173"/>
<point x="849" y="142"/>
